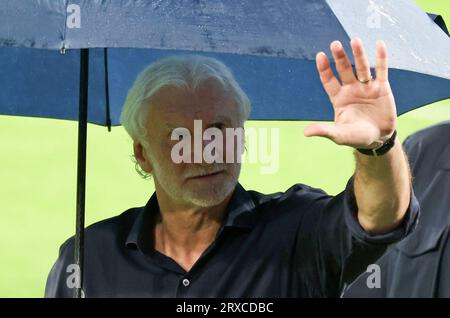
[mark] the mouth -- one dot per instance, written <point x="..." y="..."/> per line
<point x="208" y="176"/>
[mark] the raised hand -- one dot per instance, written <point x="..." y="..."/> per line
<point x="364" y="108"/>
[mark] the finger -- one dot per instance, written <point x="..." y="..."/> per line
<point x="321" y="130"/>
<point x="361" y="63"/>
<point x="343" y="65"/>
<point x="381" y="66"/>
<point x="329" y="81"/>
<point x="339" y="135"/>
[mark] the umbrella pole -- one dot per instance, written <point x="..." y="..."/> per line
<point x="108" y="112"/>
<point x="81" y="171"/>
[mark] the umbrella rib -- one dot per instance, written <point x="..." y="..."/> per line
<point x="63" y="45"/>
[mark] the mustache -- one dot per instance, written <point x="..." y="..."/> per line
<point x="203" y="170"/>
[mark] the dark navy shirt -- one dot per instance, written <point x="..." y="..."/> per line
<point x="300" y="243"/>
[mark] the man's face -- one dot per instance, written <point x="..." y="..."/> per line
<point x="191" y="184"/>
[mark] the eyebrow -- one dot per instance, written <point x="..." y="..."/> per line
<point x="171" y="126"/>
<point x="221" y="119"/>
<point x="218" y="119"/>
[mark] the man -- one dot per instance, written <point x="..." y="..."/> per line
<point x="202" y="235"/>
<point x="419" y="265"/>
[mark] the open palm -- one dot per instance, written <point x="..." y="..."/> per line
<point x="364" y="109"/>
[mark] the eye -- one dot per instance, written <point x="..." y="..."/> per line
<point x="218" y="126"/>
<point x="175" y="137"/>
<point x="178" y="133"/>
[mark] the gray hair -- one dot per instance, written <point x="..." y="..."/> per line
<point x="188" y="71"/>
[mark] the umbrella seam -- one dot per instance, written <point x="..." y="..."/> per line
<point x="63" y="46"/>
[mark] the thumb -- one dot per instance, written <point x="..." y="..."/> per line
<point x="321" y="130"/>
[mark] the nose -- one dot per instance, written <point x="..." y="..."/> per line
<point x="209" y="149"/>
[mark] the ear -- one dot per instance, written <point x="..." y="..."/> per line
<point x="142" y="157"/>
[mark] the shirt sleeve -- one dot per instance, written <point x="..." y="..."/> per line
<point x="332" y="248"/>
<point x="61" y="278"/>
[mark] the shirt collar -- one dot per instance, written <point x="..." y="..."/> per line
<point x="240" y="213"/>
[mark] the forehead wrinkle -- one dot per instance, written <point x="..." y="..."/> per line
<point x="175" y="105"/>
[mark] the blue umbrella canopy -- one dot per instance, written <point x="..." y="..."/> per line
<point x="76" y="59"/>
<point x="270" y="46"/>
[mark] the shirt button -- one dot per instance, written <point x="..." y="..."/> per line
<point x="186" y="282"/>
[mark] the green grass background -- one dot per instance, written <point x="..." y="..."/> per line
<point x="38" y="179"/>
